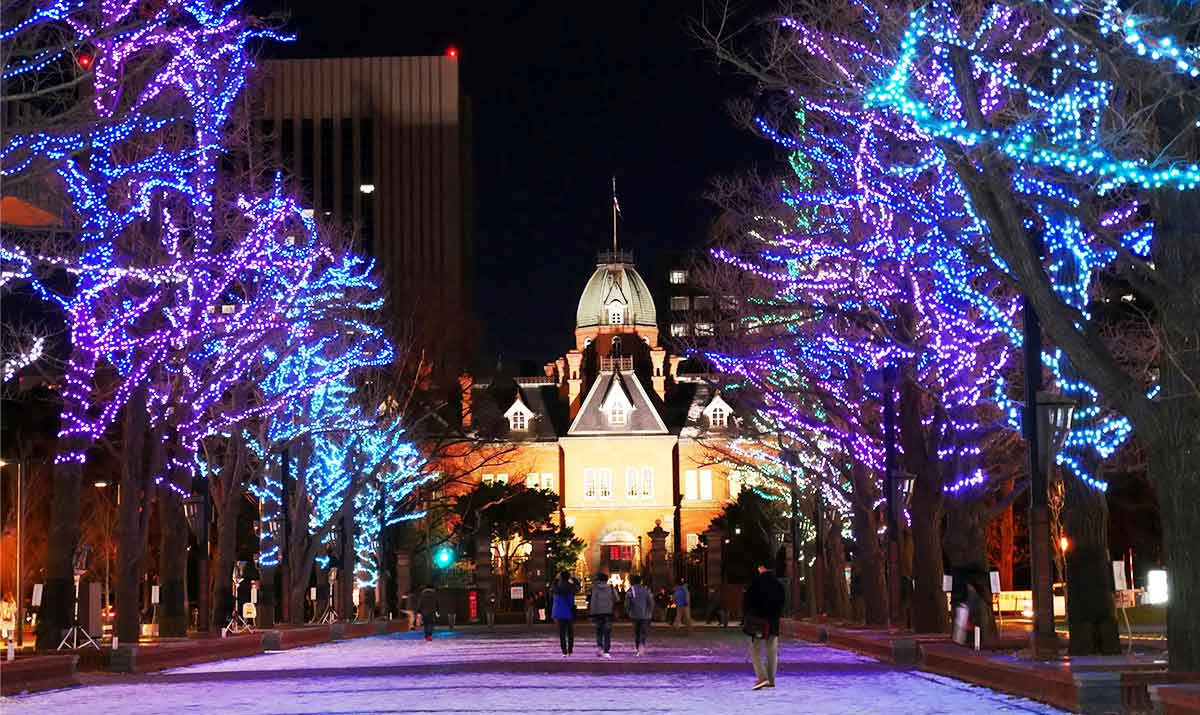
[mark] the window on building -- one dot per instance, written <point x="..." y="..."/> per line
<point x="548" y="482"/>
<point x="691" y="490"/>
<point x="704" y="329"/>
<point x="501" y="479"/>
<point x="488" y="478"/>
<point x="719" y="417"/>
<point x="633" y="489"/>
<point x="589" y="484"/>
<point x="693" y="540"/>
<point x="647" y="482"/>
<point x="678" y="277"/>
<point x="702" y="302"/>
<point x="617" y="414"/>
<point x="680" y="302"/>
<point x="705" y="485"/>
<point x="729" y="303"/>
<point x="679" y="330"/>
<point x="616" y="315"/>
<point x="532" y="481"/>
<point x="518" y="421"/>
<point x="604" y="479"/>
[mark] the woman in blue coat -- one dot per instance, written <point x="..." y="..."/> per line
<point x="563" y="610"/>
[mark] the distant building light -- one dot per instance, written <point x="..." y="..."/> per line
<point x="306" y="213"/>
<point x="679" y="277"/>
<point x="228" y="309"/>
<point x="1156" y="586"/>
<point x="367" y="188"/>
<point x="1128" y="297"/>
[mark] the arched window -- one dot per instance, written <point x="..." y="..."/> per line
<point x="616" y="346"/>
<point x="518" y="421"/>
<point x="616" y="314"/>
<point x="617" y="414"/>
<point x="719" y="417"/>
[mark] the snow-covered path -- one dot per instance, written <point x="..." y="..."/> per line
<point x="517" y="673"/>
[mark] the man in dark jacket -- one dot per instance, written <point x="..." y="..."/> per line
<point x="427" y="606"/>
<point x="761" y="610"/>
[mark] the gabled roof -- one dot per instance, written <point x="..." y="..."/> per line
<point x="643" y="417"/>
<point x="492" y="402"/>
<point x="692" y="401"/>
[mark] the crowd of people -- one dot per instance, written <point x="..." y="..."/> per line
<point x="762" y="606"/>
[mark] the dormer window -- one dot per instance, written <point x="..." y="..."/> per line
<point x="617" y="414"/>
<point x="518" y="416"/>
<point x="518" y="421"/>
<point x="616" y="314"/>
<point x="718" y="417"/>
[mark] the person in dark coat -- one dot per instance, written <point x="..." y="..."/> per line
<point x="762" y="607"/>
<point x="639" y="604"/>
<point x="427" y="606"/>
<point x="600" y="607"/>
<point x="563" y="610"/>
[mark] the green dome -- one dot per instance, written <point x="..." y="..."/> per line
<point x="615" y="283"/>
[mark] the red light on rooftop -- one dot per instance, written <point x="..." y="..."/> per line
<point x="452" y="52"/>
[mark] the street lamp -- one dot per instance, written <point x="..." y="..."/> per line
<point x="1047" y="422"/>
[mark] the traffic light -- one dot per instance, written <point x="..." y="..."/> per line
<point x="443" y="557"/>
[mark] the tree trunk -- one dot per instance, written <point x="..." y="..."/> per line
<point x="1174" y="466"/>
<point x="345" y="582"/>
<point x="142" y="458"/>
<point x="965" y="547"/>
<point x="227" y="515"/>
<point x="301" y="575"/>
<point x="58" y="595"/>
<point x="172" y="565"/>
<point x="870" y="560"/>
<point x="1006" y="527"/>
<point x="837" y="591"/>
<point x="266" y="597"/>
<point x="929" y="614"/>
<point x="1091" y="613"/>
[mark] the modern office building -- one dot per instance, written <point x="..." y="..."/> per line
<point x="379" y="144"/>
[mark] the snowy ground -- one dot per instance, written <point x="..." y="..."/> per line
<point x="403" y="674"/>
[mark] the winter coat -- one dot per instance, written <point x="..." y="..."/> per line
<point x="764" y="600"/>
<point x="681" y="596"/>
<point x="604" y="597"/>
<point x="427" y="603"/>
<point x="639" y="603"/>
<point x="563" y="608"/>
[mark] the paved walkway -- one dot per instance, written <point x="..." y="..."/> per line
<point x="514" y="670"/>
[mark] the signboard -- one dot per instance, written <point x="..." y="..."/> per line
<point x="1126" y="598"/>
<point x="995" y="581"/>
<point x="154" y="594"/>
<point x="516" y="593"/>
<point x="254" y="594"/>
<point x="312" y="593"/>
<point x="1119" y="583"/>
<point x="473" y="605"/>
<point x="37" y="595"/>
<point x="947" y="582"/>
<point x="249" y="611"/>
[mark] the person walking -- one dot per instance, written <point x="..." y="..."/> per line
<point x="760" y="620"/>
<point x="8" y="616"/>
<point x="562" y="610"/>
<point x="639" y="604"/>
<point x="683" y="605"/>
<point x="600" y="608"/>
<point x="427" y="606"/>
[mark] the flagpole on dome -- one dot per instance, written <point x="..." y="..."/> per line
<point x="616" y="207"/>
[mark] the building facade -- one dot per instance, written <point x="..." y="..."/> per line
<point x="377" y="144"/>
<point x="624" y="439"/>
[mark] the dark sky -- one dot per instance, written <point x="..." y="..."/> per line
<point x="563" y="95"/>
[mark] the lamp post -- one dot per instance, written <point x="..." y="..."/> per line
<point x="1047" y="421"/>
<point x="101" y="485"/>
<point x="20" y="548"/>
<point x="196" y="510"/>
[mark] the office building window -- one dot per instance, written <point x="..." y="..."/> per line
<point x="679" y="277"/>
<point x="680" y="302"/>
<point x="702" y="302"/>
<point x="704" y="329"/>
<point x="679" y="330"/>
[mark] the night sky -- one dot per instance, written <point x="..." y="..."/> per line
<point x="563" y="96"/>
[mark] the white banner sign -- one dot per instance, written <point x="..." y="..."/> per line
<point x="1119" y="576"/>
<point x="154" y="594"/>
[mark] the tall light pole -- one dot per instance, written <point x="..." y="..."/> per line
<point x="889" y="467"/>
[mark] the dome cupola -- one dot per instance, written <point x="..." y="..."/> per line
<point x="615" y="295"/>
